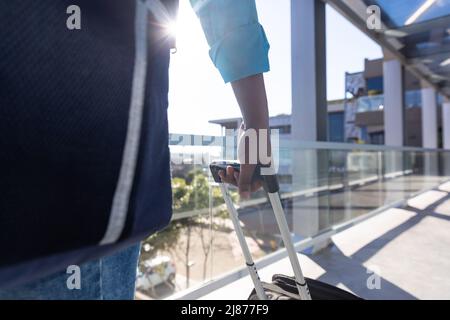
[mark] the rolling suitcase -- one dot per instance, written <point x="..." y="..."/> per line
<point x="282" y="287"/>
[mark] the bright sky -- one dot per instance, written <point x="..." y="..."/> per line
<point x="198" y="94"/>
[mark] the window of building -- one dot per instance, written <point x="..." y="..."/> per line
<point x="336" y="126"/>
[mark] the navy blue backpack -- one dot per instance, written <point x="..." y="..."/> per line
<point x="83" y="132"/>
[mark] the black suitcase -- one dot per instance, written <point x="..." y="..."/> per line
<point x="282" y="287"/>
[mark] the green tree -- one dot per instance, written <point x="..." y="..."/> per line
<point x="189" y="194"/>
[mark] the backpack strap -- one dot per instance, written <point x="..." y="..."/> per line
<point x="119" y="210"/>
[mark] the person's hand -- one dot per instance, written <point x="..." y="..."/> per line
<point x="242" y="179"/>
<point x="251" y="96"/>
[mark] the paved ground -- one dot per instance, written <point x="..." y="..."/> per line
<point x="407" y="248"/>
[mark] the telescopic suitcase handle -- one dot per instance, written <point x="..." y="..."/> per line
<point x="271" y="186"/>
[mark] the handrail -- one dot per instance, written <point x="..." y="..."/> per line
<point x="217" y="141"/>
<point x="288" y="195"/>
<point x="351" y="146"/>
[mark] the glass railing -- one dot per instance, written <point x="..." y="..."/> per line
<point x="322" y="185"/>
<point x="370" y="103"/>
<point x="413" y="99"/>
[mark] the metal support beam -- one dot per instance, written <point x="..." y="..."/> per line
<point x="393" y="103"/>
<point x="429" y="118"/>
<point x="309" y="88"/>
<point x="309" y="108"/>
<point x="382" y="40"/>
<point x="446" y="124"/>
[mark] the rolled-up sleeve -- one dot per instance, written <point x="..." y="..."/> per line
<point x="238" y="43"/>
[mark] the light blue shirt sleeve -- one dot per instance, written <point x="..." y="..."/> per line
<point x="238" y="43"/>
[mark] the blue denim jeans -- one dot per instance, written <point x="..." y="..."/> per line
<point x="109" y="278"/>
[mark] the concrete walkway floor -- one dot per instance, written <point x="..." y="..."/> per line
<point x="402" y="253"/>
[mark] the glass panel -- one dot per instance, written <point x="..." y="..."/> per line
<point x="320" y="186"/>
<point x="371" y="103"/>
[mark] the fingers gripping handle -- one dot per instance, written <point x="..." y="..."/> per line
<point x="270" y="181"/>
